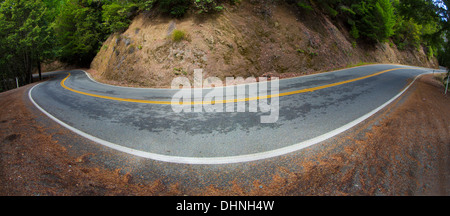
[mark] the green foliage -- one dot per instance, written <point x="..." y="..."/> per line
<point x="331" y="11"/>
<point x="374" y="19"/>
<point x="408" y="34"/>
<point x="176" y="8"/>
<point x="418" y="23"/>
<point x="179" y="71"/>
<point x="147" y="5"/>
<point x="26" y="38"/>
<point x="73" y="31"/>
<point x="329" y="6"/>
<point x="354" y="32"/>
<point x="304" y="6"/>
<point x="444" y="55"/>
<point x="430" y="52"/>
<point x="346" y="10"/>
<point x="309" y="52"/>
<point x="80" y="31"/>
<point x="409" y="23"/>
<point x="421" y="11"/>
<point x="178" y="35"/>
<point x="361" y="63"/>
<point x="117" y="17"/>
<point x="207" y="6"/>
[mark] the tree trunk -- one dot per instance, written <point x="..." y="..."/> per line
<point x="39" y="69"/>
<point x="29" y="69"/>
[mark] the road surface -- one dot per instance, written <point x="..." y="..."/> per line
<point x="139" y="121"/>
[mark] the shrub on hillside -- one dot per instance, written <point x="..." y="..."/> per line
<point x="178" y="35"/>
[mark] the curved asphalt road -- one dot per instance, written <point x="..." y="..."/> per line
<point x="155" y="131"/>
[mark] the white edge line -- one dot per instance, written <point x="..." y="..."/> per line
<point x="222" y="160"/>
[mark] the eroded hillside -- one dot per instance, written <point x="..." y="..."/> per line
<point x="251" y="39"/>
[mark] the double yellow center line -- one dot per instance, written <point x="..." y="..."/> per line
<point x="232" y="100"/>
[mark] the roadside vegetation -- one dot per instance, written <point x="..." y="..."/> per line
<point x="178" y="35"/>
<point x="33" y="32"/>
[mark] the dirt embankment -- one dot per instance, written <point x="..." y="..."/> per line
<point x="251" y="39"/>
<point x="405" y="153"/>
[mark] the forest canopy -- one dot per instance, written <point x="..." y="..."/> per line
<point x="72" y="31"/>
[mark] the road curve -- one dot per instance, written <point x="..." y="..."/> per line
<point x="139" y="121"/>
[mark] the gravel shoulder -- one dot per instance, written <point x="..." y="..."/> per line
<point x="402" y="150"/>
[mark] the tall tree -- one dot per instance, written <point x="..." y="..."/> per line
<point x="80" y="31"/>
<point x="24" y="37"/>
<point x="374" y="19"/>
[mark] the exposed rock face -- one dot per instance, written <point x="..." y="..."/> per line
<point x="242" y="41"/>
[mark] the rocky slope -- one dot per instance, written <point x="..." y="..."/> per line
<point x="251" y="39"/>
